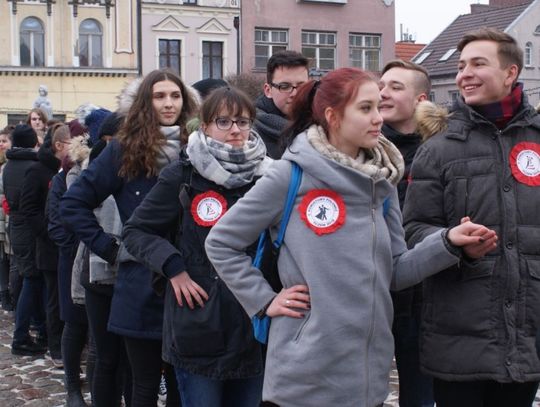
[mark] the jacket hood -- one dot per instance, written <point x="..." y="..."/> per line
<point x="338" y="177"/>
<point x="21" y="153"/>
<point x="430" y="119"/>
<point x="127" y="95"/>
<point x="78" y="149"/>
<point x="46" y="156"/>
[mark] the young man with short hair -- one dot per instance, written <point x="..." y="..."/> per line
<point x="403" y="85"/>
<point x="480" y="318"/>
<point x="285" y="72"/>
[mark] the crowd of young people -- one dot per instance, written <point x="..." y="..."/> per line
<point x="157" y="229"/>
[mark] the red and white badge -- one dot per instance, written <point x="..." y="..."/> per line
<point x="525" y="163"/>
<point x="323" y="211"/>
<point x="208" y="208"/>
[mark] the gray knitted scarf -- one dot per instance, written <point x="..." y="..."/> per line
<point x="383" y="161"/>
<point x="228" y="166"/>
<point x="170" y="151"/>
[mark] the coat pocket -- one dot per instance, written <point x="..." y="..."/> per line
<point x="302" y="328"/>
<point x="198" y="331"/>
<point x="532" y="297"/>
<point x="463" y="303"/>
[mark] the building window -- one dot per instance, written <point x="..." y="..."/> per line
<point x="431" y="97"/>
<point x="267" y="43"/>
<point x="32" y="42"/>
<point x="212" y="59"/>
<point x="90" y="43"/>
<point x="537" y="30"/>
<point x="169" y="54"/>
<point x="190" y="2"/>
<point x="447" y="55"/>
<point x="528" y="54"/>
<point x="320" y="47"/>
<point x="365" y="51"/>
<point x="422" y="57"/>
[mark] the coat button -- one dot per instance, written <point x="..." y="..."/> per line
<point x="508" y="362"/>
<point x="509" y="245"/>
<point x="508" y="304"/>
<point x="506" y="188"/>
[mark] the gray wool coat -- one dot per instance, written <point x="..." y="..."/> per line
<point x="340" y="353"/>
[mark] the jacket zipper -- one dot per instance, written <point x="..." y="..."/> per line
<point x="374" y="281"/>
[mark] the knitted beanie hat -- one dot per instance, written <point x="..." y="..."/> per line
<point x="206" y="86"/>
<point x="75" y="128"/>
<point x="93" y="122"/>
<point x="24" y="136"/>
<point x="111" y="125"/>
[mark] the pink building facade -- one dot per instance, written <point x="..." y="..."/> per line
<point x="332" y="33"/>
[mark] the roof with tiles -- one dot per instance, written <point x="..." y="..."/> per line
<point x="441" y="61"/>
<point x="407" y="50"/>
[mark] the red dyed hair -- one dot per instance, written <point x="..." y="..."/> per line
<point x="336" y="89"/>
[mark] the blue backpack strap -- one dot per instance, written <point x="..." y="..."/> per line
<point x="261" y="326"/>
<point x="386" y="207"/>
<point x="294" y="184"/>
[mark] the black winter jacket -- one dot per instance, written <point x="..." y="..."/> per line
<point x="270" y="123"/>
<point x="20" y="233"/>
<point x="32" y="205"/>
<point x="406" y="302"/>
<point x="214" y="341"/>
<point x="480" y="319"/>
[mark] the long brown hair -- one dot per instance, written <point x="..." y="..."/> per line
<point x="140" y="135"/>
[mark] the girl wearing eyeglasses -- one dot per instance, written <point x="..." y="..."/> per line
<point x="207" y="336"/>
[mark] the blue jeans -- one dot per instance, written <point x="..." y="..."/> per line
<point x="199" y="391"/>
<point x="31" y="305"/>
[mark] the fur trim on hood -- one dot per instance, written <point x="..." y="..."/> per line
<point x="430" y="119"/>
<point x="127" y="95"/>
<point x="125" y="98"/>
<point x="78" y="149"/>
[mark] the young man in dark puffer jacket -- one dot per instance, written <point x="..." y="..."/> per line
<point x="480" y="318"/>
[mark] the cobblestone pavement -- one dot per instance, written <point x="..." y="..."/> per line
<point x="35" y="381"/>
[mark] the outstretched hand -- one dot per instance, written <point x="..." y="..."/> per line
<point x="183" y="285"/>
<point x="289" y="301"/>
<point x="476" y="240"/>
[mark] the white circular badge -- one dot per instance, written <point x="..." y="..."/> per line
<point x="528" y="162"/>
<point x="323" y="211"/>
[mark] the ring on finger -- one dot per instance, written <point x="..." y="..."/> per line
<point x="287" y="302"/>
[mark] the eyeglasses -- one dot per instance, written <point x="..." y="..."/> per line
<point x="225" y="123"/>
<point x="285" y="87"/>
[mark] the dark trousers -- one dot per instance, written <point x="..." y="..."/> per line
<point x="30" y="307"/>
<point x="15" y="281"/>
<point x="415" y="388"/>
<point x="484" y="393"/>
<point x="54" y="323"/>
<point x="74" y="338"/>
<point x="146" y="366"/>
<point x="110" y="368"/>
<point x="4" y="269"/>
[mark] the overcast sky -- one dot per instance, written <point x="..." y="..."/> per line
<point x="425" y="19"/>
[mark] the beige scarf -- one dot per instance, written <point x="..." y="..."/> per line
<point x="383" y="161"/>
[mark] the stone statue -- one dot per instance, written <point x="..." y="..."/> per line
<point x="42" y="102"/>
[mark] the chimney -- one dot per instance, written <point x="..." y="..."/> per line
<point x="478" y="8"/>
